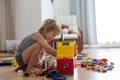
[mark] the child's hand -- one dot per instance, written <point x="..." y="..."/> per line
<point x="37" y="64"/>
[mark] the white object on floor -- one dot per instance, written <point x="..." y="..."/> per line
<point x="20" y="73"/>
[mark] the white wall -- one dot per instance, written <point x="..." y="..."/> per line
<point x="62" y="7"/>
<point x="19" y="18"/>
<point x="47" y="9"/>
<point x="27" y="17"/>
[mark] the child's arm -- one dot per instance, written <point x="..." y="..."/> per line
<point x="41" y="40"/>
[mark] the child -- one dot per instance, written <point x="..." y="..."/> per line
<point x="34" y="45"/>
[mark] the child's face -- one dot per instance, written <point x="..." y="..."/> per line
<point x="50" y="36"/>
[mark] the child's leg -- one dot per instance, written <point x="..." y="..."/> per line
<point x="30" y="56"/>
<point x="39" y="63"/>
<point x="20" y="62"/>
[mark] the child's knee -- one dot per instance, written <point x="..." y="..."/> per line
<point x="37" y="47"/>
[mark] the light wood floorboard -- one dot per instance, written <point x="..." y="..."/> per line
<point x="112" y="54"/>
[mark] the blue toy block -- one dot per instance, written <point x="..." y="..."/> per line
<point x="5" y="64"/>
<point x="55" y="75"/>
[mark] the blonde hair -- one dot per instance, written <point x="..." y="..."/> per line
<point x="50" y="25"/>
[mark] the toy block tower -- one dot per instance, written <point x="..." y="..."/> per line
<point x="66" y="52"/>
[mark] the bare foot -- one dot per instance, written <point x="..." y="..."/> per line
<point x="20" y="68"/>
<point x="37" y="70"/>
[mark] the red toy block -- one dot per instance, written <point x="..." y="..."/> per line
<point x="65" y="66"/>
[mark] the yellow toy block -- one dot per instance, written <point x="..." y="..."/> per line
<point x="14" y="63"/>
<point x="88" y="67"/>
<point x="88" y="58"/>
<point x="66" y="50"/>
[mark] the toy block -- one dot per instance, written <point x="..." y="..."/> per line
<point x="66" y="60"/>
<point x="5" y="64"/>
<point x="65" y="66"/>
<point x="10" y="61"/>
<point x="66" y="48"/>
<point x="88" y="67"/>
<point x="14" y="63"/>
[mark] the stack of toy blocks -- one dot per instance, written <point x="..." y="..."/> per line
<point x="66" y="52"/>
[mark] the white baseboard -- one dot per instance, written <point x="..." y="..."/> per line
<point x="102" y="46"/>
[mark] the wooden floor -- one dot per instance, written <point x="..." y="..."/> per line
<point x="112" y="54"/>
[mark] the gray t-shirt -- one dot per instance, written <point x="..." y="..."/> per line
<point x="26" y="42"/>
